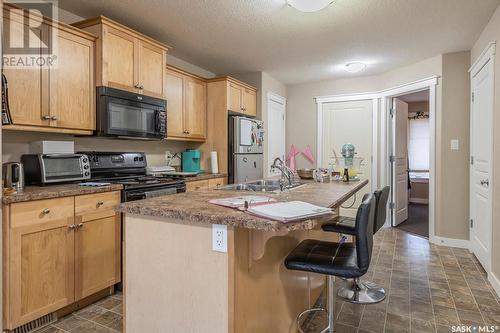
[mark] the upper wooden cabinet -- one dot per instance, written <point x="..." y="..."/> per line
<point x="127" y="59"/>
<point x="58" y="98"/>
<point x="241" y="97"/>
<point x="187" y="105"/>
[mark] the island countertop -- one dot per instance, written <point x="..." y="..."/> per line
<point x="194" y="208"/>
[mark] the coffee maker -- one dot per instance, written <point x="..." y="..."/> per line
<point x="13" y="176"/>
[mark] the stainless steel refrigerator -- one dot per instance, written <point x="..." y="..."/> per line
<point x="246" y="148"/>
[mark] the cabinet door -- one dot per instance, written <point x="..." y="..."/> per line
<point x="234" y="97"/>
<point x="97" y="254"/>
<point x="195" y="109"/>
<point x="42" y="269"/>
<point x="151" y="69"/>
<point x="119" y="60"/>
<point x="249" y="102"/>
<point x="175" y="104"/>
<point x="72" y="83"/>
<point x="28" y="94"/>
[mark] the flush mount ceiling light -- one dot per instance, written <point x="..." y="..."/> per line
<point x="309" y="6"/>
<point x="355" y="67"/>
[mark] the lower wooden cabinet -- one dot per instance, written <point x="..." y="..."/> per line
<point x="53" y="257"/>
<point x="199" y="185"/>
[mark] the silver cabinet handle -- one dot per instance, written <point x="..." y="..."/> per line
<point x="141" y="87"/>
<point x="53" y="118"/>
<point x="99" y="203"/>
<point x="137" y="86"/>
<point x="46" y="117"/>
<point x="72" y="226"/>
<point x="45" y="211"/>
<point x="79" y="225"/>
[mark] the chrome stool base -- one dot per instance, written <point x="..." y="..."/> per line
<point x="330" y="313"/>
<point x="362" y="293"/>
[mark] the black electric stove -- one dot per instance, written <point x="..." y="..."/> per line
<point x="129" y="170"/>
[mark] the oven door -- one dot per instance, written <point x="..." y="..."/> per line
<point x="63" y="168"/>
<point x="134" y="119"/>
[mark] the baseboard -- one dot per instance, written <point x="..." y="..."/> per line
<point x="421" y="201"/>
<point x="495" y="282"/>
<point x="452" y="242"/>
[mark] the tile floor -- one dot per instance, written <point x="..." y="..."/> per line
<point x="429" y="289"/>
<point x="104" y="316"/>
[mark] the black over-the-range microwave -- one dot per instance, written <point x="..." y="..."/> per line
<point x="129" y="115"/>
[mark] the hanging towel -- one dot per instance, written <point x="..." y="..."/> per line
<point x="307" y="152"/>
<point x="291" y="157"/>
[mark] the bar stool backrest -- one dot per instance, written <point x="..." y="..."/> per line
<point x="381" y="196"/>
<point x="365" y="218"/>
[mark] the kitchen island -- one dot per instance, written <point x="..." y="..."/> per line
<point x="175" y="282"/>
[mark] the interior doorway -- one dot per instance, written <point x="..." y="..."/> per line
<point x="411" y="162"/>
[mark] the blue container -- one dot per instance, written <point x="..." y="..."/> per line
<point x="191" y="160"/>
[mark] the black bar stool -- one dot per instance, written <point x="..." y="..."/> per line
<point x="346" y="260"/>
<point x="366" y="292"/>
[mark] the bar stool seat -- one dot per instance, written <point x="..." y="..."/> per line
<point x="341" y="224"/>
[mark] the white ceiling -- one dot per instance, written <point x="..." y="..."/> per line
<point x="419" y="96"/>
<point x="229" y="36"/>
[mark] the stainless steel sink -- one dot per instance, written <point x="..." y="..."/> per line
<point x="258" y="186"/>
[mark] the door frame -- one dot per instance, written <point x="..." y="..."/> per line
<point x="271" y="96"/>
<point x="388" y="130"/>
<point x="488" y="55"/>
<point x="320" y="100"/>
<point x="381" y="152"/>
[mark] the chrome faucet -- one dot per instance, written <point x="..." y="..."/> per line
<point x="286" y="172"/>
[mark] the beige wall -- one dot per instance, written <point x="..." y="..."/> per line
<point x="451" y="102"/>
<point x="490" y="34"/>
<point x="452" y="179"/>
<point x="415" y="107"/>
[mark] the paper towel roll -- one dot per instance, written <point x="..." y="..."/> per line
<point x="213" y="161"/>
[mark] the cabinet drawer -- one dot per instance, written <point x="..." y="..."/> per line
<point x="197" y="185"/>
<point x="40" y="211"/>
<point x="99" y="205"/>
<point x="216" y="182"/>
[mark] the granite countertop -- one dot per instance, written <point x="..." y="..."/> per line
<point x="194" y="208"/>
<point x="31" y="193"/>
<point x="204" y="176"/>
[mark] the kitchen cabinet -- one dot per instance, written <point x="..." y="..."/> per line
<point x="241" y="98"/>
<point x="58" y="251"/>
<point x="127" y="59"/>
<point x="97" y="243"/>
<point x="61" y="98"/>
<point x="199" y="185"/>
<point x="187" y="106"/>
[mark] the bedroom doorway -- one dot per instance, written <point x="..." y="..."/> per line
<point x="412" y="162"/>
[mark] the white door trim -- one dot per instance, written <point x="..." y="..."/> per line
<point x="381" y="109"/>
<point x="320" y="100"/>
<point x="430" y="84"/>
<point x="281" y="100"/>
<point x="486" y="56"/>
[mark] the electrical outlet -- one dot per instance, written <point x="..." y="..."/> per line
<point x="219" y="237"/>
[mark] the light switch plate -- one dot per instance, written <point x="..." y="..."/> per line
<point x="219" y="237"/>
<point x="454" y="145"/>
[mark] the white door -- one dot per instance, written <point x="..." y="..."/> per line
<point x="276" y="107"/>
<point x="348" y="122"/>
<point x="481" y="150"/>
<point x="400" y="162"/>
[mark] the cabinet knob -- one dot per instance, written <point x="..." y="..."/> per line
<point x="99" y="203"/>
<point x="53" y="118"/>
<point x="79" y="225"/>
<point x="72" y="226"/>
<point x="137" y="86"/>
<point x="141" y="87"/>
<point x="46" y="117"/>
<point x="45" y="211"/>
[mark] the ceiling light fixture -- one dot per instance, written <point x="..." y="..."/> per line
<point x="309" y="6"/>
<point x="355" y="67"/>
